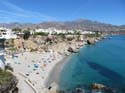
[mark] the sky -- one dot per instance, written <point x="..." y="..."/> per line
<point x="36" y="11"/>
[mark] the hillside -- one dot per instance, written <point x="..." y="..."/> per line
<point x="76" y="24"/>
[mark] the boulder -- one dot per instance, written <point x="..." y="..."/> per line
<point x="70" y="49"/>
<point x="98" y="86"/>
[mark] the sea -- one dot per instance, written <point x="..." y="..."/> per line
<point x="102" y="63"/>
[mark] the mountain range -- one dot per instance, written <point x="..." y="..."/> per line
<point x="81" y="24"/>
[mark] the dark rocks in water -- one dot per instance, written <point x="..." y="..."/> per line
<point x="90" y="42"/>
<point x="79" y="90"/>
<point x="100" y="87"/>
<point x="97" y="86"/>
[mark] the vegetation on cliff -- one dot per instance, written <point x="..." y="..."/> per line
<point x="8" y="82"/>
<point x="5" y="77"/>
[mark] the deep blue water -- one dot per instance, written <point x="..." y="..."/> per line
<point x="102" y="63"/>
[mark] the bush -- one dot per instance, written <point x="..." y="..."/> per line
<point x="8" y="68"/>
<point x="62" y="35"/>
<point x="26" y="35"/>
<point x="41" y="33"/>
<point x="12" y="49"/>
<point x="90" y="35"/>
<point x="70" y="38"/>
<point x="5" y="77"/>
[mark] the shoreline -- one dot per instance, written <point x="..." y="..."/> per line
<point x="41" y="69"/>
<point x="54" y="74"/>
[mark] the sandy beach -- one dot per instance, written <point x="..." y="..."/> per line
<point x="56" y="71"/>
<point x="38" y="70"/>
<point x="33" y="69"/>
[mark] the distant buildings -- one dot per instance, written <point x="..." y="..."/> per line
<point x="50" y="31"/>
<point x="54" y="30"/>
<point x="87" y="32"/>
<point x="7" y="34"/>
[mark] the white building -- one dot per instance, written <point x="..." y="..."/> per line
<point x="53" y="30"/>
<point x="7" y="34"/>
<point x="87" y="32"/>
<point x="70" y="31"/>
<point x="49" y="30"/>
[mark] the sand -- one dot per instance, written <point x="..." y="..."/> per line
<point x="25" y="70"/>
<point x="54" y="75"/>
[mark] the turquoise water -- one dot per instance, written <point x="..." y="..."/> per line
<point x="102" y="63"/>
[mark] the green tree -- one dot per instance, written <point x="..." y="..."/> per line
<point x="17" y="29"/>
<point x="41" y="33"/>
<point x="26" y="35"/>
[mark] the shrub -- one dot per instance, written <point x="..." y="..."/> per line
<point x="8" y="68"/>
<point x="5" y="77"/>
<point x="26" y="35"/>
<point x="41" y="33"/>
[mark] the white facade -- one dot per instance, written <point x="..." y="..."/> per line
<point x="49" y="30"/>
<point x="70" y="31"/>
<point x="54" y="30"/>
<point x="87" y="32"/>
<point x="7" y="34"/>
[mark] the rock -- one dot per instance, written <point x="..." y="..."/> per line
<point x="70" y="49"/>
<point x="91" y="41"/>
<point x="98" y="86"/>
<point x="88" y="42"/>
<point x="79" y="90"/>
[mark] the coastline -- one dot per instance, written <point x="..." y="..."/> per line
<point x="54" y="74"/>
<point x="41" y="69"/>
<point x="97" y="66"/>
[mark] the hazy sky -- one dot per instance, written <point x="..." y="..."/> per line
<point x="108" y="11"/>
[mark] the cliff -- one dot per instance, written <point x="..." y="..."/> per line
<point x="8" y="82"/>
